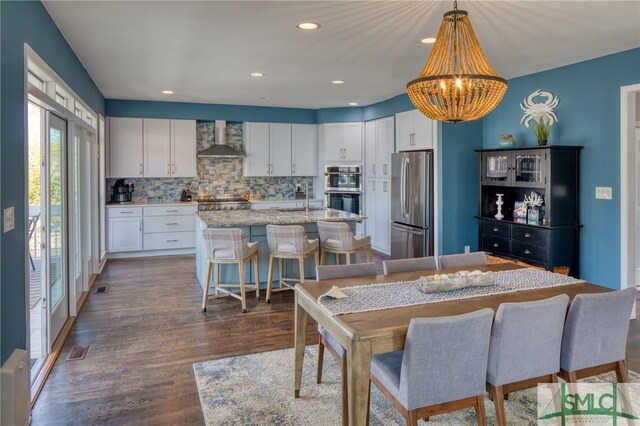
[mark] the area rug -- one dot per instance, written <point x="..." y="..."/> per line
<point x="258" y="390"/>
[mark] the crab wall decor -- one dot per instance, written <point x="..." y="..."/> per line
<point x="539" y="112"/>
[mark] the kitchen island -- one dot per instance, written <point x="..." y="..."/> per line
<point x="253" y="223"/>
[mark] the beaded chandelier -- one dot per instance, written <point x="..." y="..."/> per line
<point x="457" y="83"/>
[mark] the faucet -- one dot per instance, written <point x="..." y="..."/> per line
<point x="306" y="191"/>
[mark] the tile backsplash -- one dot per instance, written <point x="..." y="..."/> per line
<point x="215" y="175"/>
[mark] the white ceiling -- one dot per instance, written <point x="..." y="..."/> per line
<point x="206" y="50"/>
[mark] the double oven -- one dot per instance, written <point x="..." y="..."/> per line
<point x="343" y="188"/>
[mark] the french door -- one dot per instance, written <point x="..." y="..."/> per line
<point x="54" y="229"/>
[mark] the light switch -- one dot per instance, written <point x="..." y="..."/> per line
<point x="9" y="219"/>
<point x="604" y="193"/>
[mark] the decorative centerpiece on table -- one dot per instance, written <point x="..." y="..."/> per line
<point x="454" y="281"/>
<point x="541" y="113"/>
<point x="534" y="202"/>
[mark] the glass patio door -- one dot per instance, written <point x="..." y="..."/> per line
<point x="54" y="230"/>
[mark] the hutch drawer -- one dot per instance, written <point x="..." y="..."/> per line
<point x="530" y="235"/>
<point x="496" y="244"/>
<point x="497" y="229"/>
<point x="528" y="251"/>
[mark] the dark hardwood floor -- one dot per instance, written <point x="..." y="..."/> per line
<point x="145" y="333"/>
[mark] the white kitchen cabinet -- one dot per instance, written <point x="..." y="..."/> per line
<point x="125" y="229"/>
<point x="169" y="148"/>
<point x="183" y="148"/>
<point x="304" y="150"/>
<point x="125" y="147"/>
<point x="280" y="149"/>
<point x="378" y="212"/>
<point x="378" y="147"/>
<point x="169" y="227"/>
<point x="414" y="131"/>
<point x="342" y="142"/>
<point x="268" y="148"/>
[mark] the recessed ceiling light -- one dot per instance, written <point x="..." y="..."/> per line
<point x="168" y="92"/>
<point x="353" y="103"/>
<point x="428" y="40"/>
<point x="257" y="74"/>
<point x="338" y="82"/>
<point x="308" y="26"/>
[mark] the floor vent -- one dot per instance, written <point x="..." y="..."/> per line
<point x="78" y="352"/>
<point x="101" y="290"/>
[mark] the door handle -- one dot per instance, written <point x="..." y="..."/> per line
<point x="172" y="223"/>
<point x="141" y="169"/>
<point x="373" y="169"/>
<point x="384" y="169"/>
<point x="527" y="251"/>
<point x="171" y="211"/>
<point x="172" y="241"/>
<point x="374" y="185"/>
<point x="402" y="187"/>
<point x="168" y="169"/>
<point x="408" y="231"/>
<point x="407" y="170"/>
<point x="495" y="229"/>
<point x="293" y="168"/>
<point x="384" y="186"/>
<point x="125" y="212"/>
<point x="173" y="168"/>
<point x="527" y="235"/>
<point x="496" y="245"/>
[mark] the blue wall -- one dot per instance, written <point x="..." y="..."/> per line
<point x="589" y="115"/>
<point x="209" y="112"/>
<point x="25" y="22"/>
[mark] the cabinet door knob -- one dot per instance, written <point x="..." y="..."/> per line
<point x="496" y="245"/>
<point x="168" y="169"/>
<point x="527" y="251"/>
<point x="495" y="229"/>
<point x="527" y="235"/>
<point x="172" y="223"/>
<point x="384" y="169"/>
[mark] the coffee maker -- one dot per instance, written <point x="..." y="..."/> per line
<point x="121" y="192"/>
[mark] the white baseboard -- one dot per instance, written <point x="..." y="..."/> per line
<point x="151" y="253"/>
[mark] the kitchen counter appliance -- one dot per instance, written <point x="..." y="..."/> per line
<point x="122" y="193"/>
<point x="343" y="188"/>
<point x="411" y="204"/>
<point x="221" y="202"/>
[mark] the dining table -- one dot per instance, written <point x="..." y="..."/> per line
<point x="364" y="334"/>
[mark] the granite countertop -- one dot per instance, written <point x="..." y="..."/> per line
<point x="153" y="203"/>
<point x="215" y="219"/>
<point x="283" y="200"/>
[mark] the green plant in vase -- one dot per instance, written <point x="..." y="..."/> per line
<point x="542" y="130"/>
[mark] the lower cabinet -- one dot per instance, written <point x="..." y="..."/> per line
<point x="548" y="247"/>
<point x="124" y="229"/>
<point x="377" y="200"/>
<point x="288" y="204"/>
<point x="138" y="229"/>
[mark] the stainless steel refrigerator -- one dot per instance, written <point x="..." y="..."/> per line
<point x="411" y="204"/>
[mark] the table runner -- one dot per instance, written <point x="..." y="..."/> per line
<point x="375" y="297"/>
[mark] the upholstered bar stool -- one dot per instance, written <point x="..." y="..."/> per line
<point x="288" y="242"/>
<point x="229" y="246"/>
<point x="336" y="237"/>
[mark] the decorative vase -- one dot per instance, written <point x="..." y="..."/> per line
<point x="542" y="142"/>
<point x="499" y="203"/>
<point x="507" y="141"/>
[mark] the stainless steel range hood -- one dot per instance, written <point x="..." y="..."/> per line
<point x="220" y="147"/>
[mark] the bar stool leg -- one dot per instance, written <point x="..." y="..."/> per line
<point x="256" y="269"/>
<point x="242" y="292"/>
<point x="348" y="256"/>
<point x="323" y="258"/>
<point x="337" y="258"/>
<point x="269" y="278"/>
<point x="205" y="295"/>
<point x="216" y="280"/>
<point x="301" y="267"/>
<point x="317" y="257"/>
<point x="280" y="271"/>
<point x="369" y="255"/>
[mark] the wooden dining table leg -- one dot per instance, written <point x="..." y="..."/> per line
<point x="358" y="370"/>
<point x="300" y="326"/>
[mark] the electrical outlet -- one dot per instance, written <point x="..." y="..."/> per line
<point x="467" y="249"/>
<point x="9" y="219"/>
<point x="604" y="193"/>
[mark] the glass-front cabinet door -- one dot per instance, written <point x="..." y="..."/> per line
<point x="495" y="168"/>
<point x="529" y="168"/>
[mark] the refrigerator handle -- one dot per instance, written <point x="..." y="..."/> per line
<point x="402" y="188"/>
<point x="405" y="209"/>
<point x="407" y="230"/>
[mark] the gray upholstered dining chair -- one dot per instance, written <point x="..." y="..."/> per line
<point x="409" y="265"/>
<point x="442" y="368"/>
<point x="525" y="348"/>
<point x="328" y="272"/>
<point x="462" y="260"/>
<point x="595" y="335"/>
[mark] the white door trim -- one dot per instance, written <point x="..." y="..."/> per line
<point x="627" y="194"/>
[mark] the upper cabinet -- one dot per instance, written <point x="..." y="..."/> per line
<point x="304" y="149"/>
<point x="125" y="147"/>
<point x="514" y="168"/>
<point x="279" y="149"/>
<point x="152" y="147"/>
<point x="414" y="131"/>
<point x="378" y="147"/>
<point x="342" y="142"/>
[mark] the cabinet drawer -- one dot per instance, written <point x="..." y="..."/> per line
<point x="169" y="240"/>
<point x="527" y="251"/>
<point x="529" y="235"/>
<point x="170" y="210"/>
<point x="496" y="229"/>
<point x="496" y="244"/>
<point x="169" y="224"/>
<point x="124" y="212"/>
